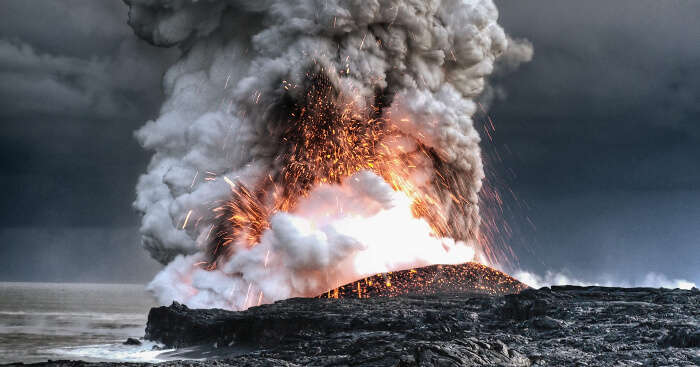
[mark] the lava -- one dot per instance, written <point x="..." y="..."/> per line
<point x="468" y="277"/>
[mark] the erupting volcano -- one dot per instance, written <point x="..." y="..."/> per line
<point x="327" y="139"/>
<point x="304" y="145"/>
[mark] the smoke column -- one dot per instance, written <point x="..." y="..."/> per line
<point x="305" y="144"/>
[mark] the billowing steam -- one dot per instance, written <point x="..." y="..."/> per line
<point x="308" y="143"/>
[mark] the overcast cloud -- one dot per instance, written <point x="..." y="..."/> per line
<point x="74" y="85"/>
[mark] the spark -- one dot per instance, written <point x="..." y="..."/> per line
<point x="187" y="218"/>
<point x="450" y="278"/>
<point x="228" y="77"/>
<point x="230" y="183"/>
<point x="326" y="139"/>
<point x="245" y="303"/>
<point x="194" y="179"/>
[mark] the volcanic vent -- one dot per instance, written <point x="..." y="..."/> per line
<point x="308" y="144"/>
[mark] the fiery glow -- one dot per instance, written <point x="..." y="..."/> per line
<point x="468" y="277"/>
<point x="330" y="137"/>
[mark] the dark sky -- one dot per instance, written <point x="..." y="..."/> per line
<point x="600" y="131"/>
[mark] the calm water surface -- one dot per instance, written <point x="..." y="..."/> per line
<point x="40" y="321"/>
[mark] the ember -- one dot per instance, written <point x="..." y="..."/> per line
<point x="328" y="138"/>
<point x="460" y="278"/>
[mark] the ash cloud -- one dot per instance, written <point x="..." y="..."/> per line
<point x="242" y="59"/>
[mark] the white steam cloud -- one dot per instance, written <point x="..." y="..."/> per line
<point x="220" y="123"/>
<point x="550" y="278"/>
<point x="306" y="253"/>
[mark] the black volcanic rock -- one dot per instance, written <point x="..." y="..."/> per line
<point x="557" y="326"/>
<point x="132" y="341"/>
<point x="682" y="337"/>
<point x="177" y="326"/>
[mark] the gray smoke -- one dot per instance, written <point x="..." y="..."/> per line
<point x="242" y="59"/>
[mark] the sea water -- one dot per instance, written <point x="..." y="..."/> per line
<point x="41" y="321"/>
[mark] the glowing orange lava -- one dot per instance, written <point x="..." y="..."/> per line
<point x="469" y="277"/>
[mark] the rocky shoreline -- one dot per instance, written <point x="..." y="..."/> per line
<point x="557" y="326"/>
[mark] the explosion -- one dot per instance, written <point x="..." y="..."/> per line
<point x="304" y="145"/>
<point x="326" y="141"/>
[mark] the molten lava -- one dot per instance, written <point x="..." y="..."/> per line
<point x="468" y="277"/>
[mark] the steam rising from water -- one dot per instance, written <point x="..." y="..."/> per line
<point x="418" y="65"/>
<point x="309" y="252"/>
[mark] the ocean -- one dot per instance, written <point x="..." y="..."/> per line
<point x="41" y="321"/>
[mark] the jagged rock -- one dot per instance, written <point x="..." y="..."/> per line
<point x="527" y="304"/>
<point x="132" y="341"/>
<point x="546" y="323"/>
<point x="561" y="326"/>
<point x="558" y="326"/>
<point x="682" y="337"/>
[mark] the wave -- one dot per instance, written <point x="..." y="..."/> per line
<point x="143" y="353"/>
